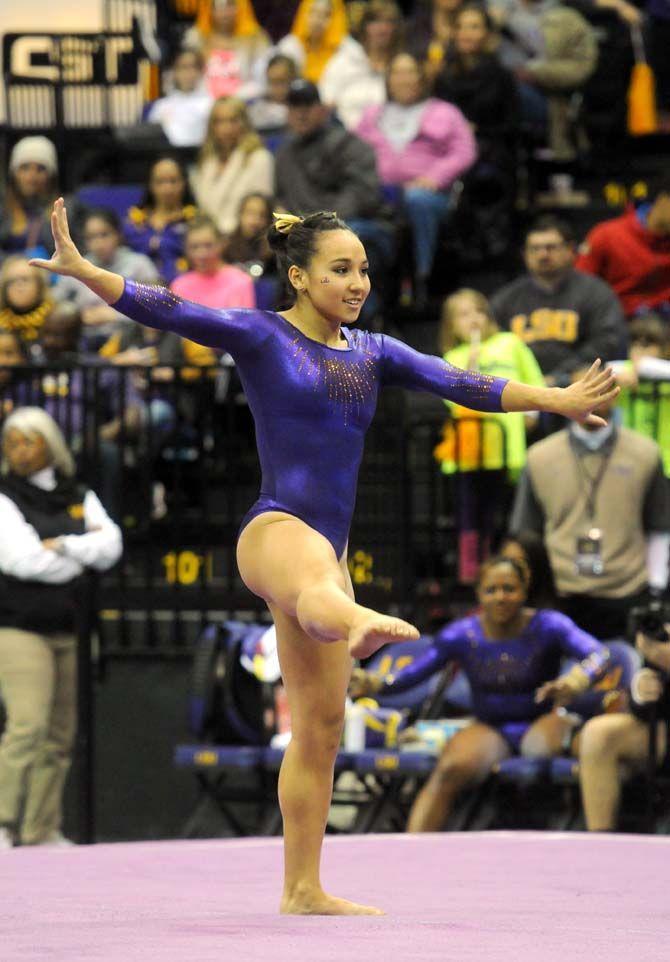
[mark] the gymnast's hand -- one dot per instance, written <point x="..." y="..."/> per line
<point x="647" y="686"/>
<point x="595" y="389"/>
<point x="363" y="683"/>
<point x="561" y="691"/>
<point x="66" y="259"/>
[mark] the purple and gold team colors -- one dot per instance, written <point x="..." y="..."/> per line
<point x="311" y="403"/>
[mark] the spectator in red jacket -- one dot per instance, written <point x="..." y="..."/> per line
<point x="632" y="253"/>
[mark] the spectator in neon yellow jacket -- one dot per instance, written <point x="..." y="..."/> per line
<point x="485" y="453"/>
<point x="471" y="339"/>
<point x="644" y="377"/>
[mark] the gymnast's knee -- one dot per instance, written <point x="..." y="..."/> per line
<point x="598" y="738"/>
<point x="319" y="739"/>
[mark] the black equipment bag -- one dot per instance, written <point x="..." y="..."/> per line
<point x="228" y="705"/>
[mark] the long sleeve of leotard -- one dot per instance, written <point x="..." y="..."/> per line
<point x="236" y="331"/>
<point x="402" y="366"/>
<point x="576" y="643"/>
<point x="447" y="646"/>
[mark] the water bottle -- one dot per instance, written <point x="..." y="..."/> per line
<point x="354" y="728"/>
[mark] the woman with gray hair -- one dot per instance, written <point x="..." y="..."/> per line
<point x="53" y="529"/>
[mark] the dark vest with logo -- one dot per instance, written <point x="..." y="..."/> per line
<point x="34" y="605"/>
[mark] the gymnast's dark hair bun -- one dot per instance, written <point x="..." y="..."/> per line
<point x="293" y="238"/>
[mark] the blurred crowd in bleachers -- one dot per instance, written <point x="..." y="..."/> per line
<point x="423" y="125"/>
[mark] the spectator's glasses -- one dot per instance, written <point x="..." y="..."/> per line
<point x="550" y="248"/>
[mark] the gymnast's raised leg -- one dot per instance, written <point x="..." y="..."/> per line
<point x="293" y="567"/>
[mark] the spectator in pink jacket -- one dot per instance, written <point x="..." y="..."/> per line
<point x="422" y="145"/>
<point x="211" y="281"/>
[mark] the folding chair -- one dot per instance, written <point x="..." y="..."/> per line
<point x="224" y="704"/>
<point x="384" y="774"/>
<point x="389" y="776"/>
<point x="272" y="760"/>
<point x="213" y="766"/>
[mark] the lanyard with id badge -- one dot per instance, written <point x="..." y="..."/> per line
<point x="589" y="547"/>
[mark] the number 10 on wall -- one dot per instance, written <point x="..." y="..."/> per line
<point x="186" y="567"/>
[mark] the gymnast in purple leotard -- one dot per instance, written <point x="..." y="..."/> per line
<point x="312" y="404"/>
<point x="511" y="656"/>
<point x="312" y="387"/>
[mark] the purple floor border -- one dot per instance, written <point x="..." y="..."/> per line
<point x="472" y="897"/>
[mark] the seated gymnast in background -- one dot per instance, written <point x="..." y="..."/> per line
<point x="312" y="387"/>
<point x="511" y="656"/>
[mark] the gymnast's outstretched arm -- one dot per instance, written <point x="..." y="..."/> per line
<point x="404" y="367"/>
<point x="151" y="305"/>
<point x="448" y="645"/>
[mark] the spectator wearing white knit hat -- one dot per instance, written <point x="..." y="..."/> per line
<point x="32" y="186"/>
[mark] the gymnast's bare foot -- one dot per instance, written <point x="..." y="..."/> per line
<point x="316" y="902"/>
<point x="375" y="630"/>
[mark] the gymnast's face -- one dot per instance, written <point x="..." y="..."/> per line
<point x="337" y="280"/>
<point x="501" y="594"/>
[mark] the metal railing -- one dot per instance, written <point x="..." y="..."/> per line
<point x="175" y="462"/>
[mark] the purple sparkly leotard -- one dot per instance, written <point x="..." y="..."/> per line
<point x="311" y="404"/>
<point x="504" y="675"/>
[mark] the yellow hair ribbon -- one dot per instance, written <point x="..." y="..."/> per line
<point x="285" y="222"/>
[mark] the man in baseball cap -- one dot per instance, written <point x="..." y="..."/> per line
<point x="322" y="166"/>
<point x="302" y="93"/>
